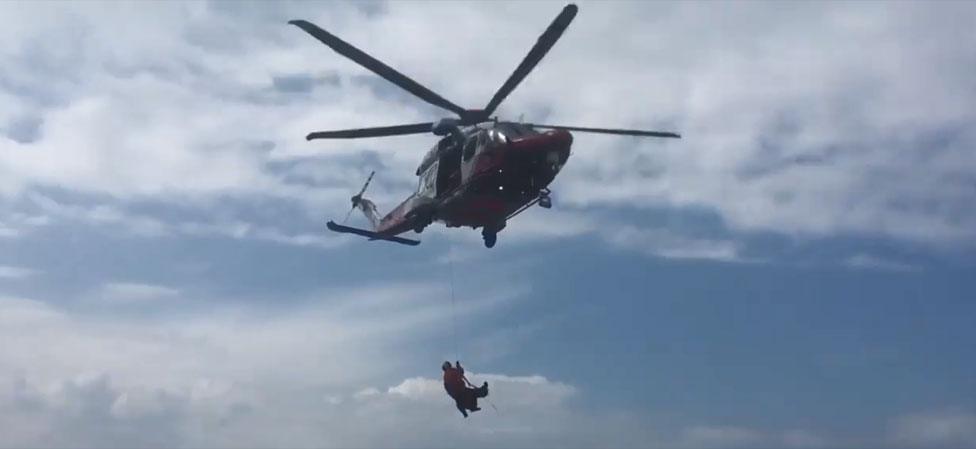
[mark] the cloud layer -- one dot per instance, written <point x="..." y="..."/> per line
<point x="788" y="127"/>
<point x="327" y="374"/>
<point x="184" y="124"/>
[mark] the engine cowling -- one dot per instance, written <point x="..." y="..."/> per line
<point x="445" y="126"/>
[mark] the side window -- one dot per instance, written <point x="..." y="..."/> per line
<point x="428" y="181"/>
<point x="469" y="147"/>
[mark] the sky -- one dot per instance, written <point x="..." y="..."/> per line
<point x="796" y="271"/>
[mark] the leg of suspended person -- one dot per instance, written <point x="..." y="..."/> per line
<point x="471" y="400"/>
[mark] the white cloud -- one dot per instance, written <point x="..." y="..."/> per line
<point x="720" y="437"/>
<point x="665" y="243"/>
<point x="366" y="393"/>
<point x="539" y="224"/>
<point x="787" y="128"/>
<point x="8" y="232"/>
<point x="871" y="262"/>
<point x="14" y="224"/>
<point x="94" y="411"/>
<point x="804" y="439"/>
<point x="12" y="272"/>
<point x="328" y="374"/>
<point x="331" y="341"/>
<point x="102" y="215"/>
<point x="135" y="292"/>
<point x="728" y="436"/>
<point x="956" y="429"/>
<point x="418" y="388"/>
<point x="25" y="312"/>
<point x="235" y="380"/>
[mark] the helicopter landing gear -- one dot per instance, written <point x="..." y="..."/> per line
<point x="545" y="201"/>
<point x="422" y="223"/>
<point x="490" y="234"/>
<point x="419" y="227"/>
<point x="490" y="238"/>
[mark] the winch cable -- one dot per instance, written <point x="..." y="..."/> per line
<point x="450" y="262"/>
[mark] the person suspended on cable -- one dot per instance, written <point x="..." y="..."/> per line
<point x="457" y="386"/>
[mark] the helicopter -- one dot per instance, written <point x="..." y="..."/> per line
<point x="482" y="172"/>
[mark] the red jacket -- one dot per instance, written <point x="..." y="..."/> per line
<point x="454" y="380"/>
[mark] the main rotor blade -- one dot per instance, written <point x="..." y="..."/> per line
<point x="383" y="131"/>
<point x="542" y="46"/>
<point x="625" y="132"/>
<point x="345" y="49"/>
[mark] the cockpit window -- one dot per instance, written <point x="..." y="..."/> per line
<point x="514" y="130"/>
<point x="496" y="137"/>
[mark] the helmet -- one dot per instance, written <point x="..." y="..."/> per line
<point x="446" y="366"/>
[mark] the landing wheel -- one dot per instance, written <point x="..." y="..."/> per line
<point x="422" y="224"/>
<point x="545" y="201"/>
<point x="490" y="238"/>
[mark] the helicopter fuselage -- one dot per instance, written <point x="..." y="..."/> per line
<point x="480" y="180"/>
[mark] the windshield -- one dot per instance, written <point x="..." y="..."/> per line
<point x="514" y="130"/>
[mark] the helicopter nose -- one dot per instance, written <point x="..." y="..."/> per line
<point x="560" y="137"/>
<point x="560" y="141"/>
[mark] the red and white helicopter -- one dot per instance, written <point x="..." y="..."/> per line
<point x="482" y="172"/>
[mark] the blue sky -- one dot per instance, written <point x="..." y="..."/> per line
<point x="795" y="272"/>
